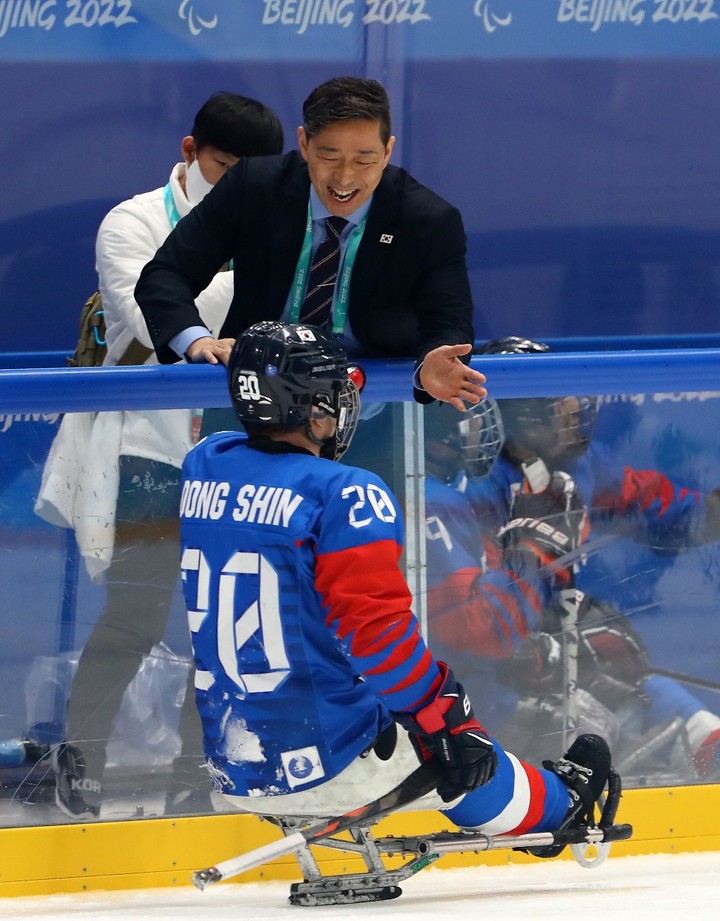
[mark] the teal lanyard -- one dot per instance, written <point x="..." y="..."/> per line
<point x="170" y="207"/>
<point x="301" y="272"/>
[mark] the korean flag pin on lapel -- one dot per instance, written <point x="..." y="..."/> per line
<point x="386" y="238"/>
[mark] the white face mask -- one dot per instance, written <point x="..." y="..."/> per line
<point x="196" y="185"/>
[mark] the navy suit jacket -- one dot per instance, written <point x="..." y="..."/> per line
<point x="406" y="296"/>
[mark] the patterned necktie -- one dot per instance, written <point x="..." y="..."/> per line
<point x="317" y="306"/>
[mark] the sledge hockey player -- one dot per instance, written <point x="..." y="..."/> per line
<point x="478" y="611"/>
<point x="480" y="614"/>
<point x="554" y="435"/>
<point x="315" y="688"/>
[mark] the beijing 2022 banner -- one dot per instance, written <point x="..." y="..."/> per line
<point x="326" y="29"/>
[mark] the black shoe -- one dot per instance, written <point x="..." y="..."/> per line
<point x="584" y="769"/>
<point x="75" y="794"/>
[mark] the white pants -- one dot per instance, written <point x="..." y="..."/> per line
<point x="363" y="780"/>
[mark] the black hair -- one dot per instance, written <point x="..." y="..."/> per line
<point x="346" y="98"/>
<point x="237" y="125"/>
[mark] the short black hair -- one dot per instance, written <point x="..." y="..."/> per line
<point x="238" y="125"/>
<point x="346" y="98"/>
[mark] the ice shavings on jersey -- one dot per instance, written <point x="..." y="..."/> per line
<point x="239" y="743"/>
<point x="218" y="777"/>
<point x="265" y="791"/>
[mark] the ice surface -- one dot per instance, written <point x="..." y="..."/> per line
<point x="638" y="888"/>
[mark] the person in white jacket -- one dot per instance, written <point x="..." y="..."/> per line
<point x="134" y="537"/>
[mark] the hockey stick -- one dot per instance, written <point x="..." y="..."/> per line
<point x="570" y="599"/>
<point x="422" y="780"/>
<point x="685" y="679"/>
<point x="538" y="479"/>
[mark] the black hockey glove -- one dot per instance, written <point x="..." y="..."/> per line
<point x="616" y="651"/>
<point x="608" y="646"/>
<point x="446" y="729"/>
<point x="535" y="667"/>
<point x="545" y="525"/>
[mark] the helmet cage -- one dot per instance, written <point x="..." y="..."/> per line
<point x="571" y="420"/>
<point x="347" y="417"/>
<point x="481" y="437"/>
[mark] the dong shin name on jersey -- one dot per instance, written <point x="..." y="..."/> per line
<point x="270" y="505"/>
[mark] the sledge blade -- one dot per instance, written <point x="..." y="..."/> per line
<point x="319" y="897"/>
<point x="361" y="887"/>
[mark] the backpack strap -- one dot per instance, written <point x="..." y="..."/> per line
<point x="135" y="354"/>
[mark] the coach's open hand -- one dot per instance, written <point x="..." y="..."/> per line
<point x="446" y="378"/>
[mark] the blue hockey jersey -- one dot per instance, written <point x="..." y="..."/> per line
<point x="300" y="617"/>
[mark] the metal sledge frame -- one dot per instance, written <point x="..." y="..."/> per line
<point x="379" y="883"/>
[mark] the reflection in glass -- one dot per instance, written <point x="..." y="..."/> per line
<point x="505" y="551"/>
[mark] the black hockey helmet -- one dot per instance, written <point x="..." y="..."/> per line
<point x="548" y="426"/>
<point x="470" y="440"/>
<point x="284" y="374"/>
<point x="511" y="345"/>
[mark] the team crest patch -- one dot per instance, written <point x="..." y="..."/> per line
<point x="302" y="766"/>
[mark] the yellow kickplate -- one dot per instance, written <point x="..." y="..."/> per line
<point x="148" y="853"/>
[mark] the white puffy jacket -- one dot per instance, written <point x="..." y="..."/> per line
<point x="128" y="238"/>
<point x="80" y="479"/>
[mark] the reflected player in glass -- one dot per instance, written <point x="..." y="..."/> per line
<point x="539" y="533"/>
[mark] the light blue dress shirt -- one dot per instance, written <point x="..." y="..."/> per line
<point x="183" y="340"/>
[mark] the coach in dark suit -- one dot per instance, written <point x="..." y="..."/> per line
<point x="401" y="287"/>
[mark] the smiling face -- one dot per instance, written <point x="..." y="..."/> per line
<point x="346" y="162"/>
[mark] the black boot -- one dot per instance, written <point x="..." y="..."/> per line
<point x="76" y="794"/>
<point x="584" y="769"/>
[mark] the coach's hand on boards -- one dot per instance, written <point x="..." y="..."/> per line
<point x="209" y="349"/>
<point x="548" y="520"/>
<point x="446" y="730"/>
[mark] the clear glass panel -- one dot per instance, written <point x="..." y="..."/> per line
<point x="97" y="650"/>
<point x="646" y="673"/>
<point x="647" y="665"/>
